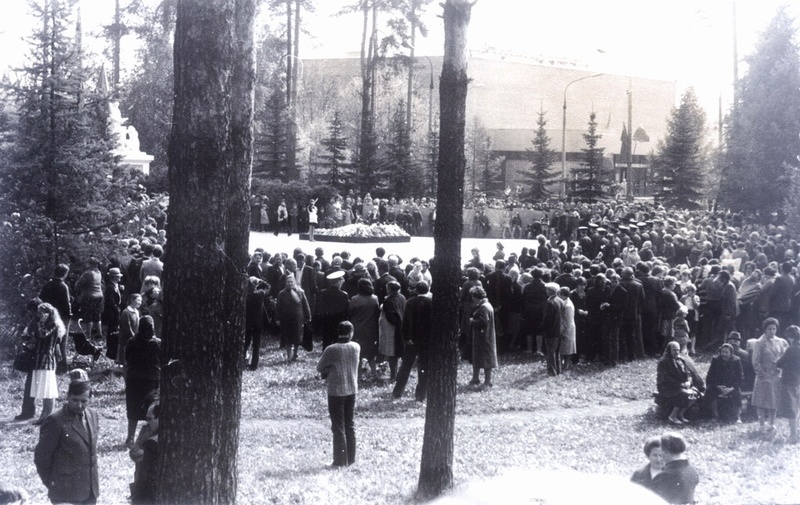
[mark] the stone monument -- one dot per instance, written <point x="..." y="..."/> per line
<point x="127" y="141"/>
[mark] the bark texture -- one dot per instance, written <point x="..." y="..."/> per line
<point x="436" y="468"/>
<point x="210" y="159"/>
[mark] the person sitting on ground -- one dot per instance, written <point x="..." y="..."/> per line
<point x="146" y="458"/>
<point x="679" y="385"/>
<point x="678" y="479"/>
<point x="645" y="475"/>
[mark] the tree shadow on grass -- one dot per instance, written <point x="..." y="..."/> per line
<point x="298" y="471"/>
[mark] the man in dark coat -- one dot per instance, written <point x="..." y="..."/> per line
<point x="384" y="279"/>
<point x="551" y="329"/>
<point x="613" y="309"/>
<point x="66" y="455"/>
<point x="498" y="290"/>
<point x="56" y="293"/>
<point x="534" y="299"/>
<point x="393" y="308"/>
<point x="630" y="334"/>
<point x="417" y="323"/>
<point x="652" y="293"/>
<point x="331" y="308"/>
<point x="112" y="304"/>
<point x="780" y="302"/>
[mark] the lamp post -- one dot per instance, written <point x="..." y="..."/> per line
<point x="564" y="134"/>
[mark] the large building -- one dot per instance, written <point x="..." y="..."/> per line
<point x="506" y="94"/>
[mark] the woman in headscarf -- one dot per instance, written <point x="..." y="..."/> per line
<point x="724" y="382"/>
<point x="49" y="330"/>
<point x="679" y="386"/>
<point x="142" y="375"/>
<point x="484" y="343"/>
<point x="293" y="312"/>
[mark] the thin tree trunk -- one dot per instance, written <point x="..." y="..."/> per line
<point x="410" y="90"/>
<point x="210" y="158"/>
<point x="436" y="468"/>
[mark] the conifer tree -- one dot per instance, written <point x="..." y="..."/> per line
<point x="681" y="160"/>
<point x="401" y="169"/>
<point x="272" y="140"/>
<point x="762" y="139"/>
<point x="335" y="157"/>
<point x="62" y="179"/>
<point x="542" y="158"/>
<point x="592" y="180"/>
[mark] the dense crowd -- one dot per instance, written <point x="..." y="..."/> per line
<point x="604" y="283"/>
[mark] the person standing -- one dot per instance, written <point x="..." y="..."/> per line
<point x="484" y="341"/>
<point x="66" y="454"/>
<point x="56" y="293"/>
<point x="293" y="313"/>
<point x="90" y="299"/>
<point x="283" y="219"/>
<point x="789" y="401"/>
<point x="551" y="329"/>
<point x="339" y="367"/>
<point x="312" y="219"/>
<point x="143" y="374"/>
<point x="49" y="330"/>
<point x="331" y="308"/>
<point x="112" y="303"/>
<point x="766" y="352"/>
<point x="128" y="325"/>
<point x="417" y="323"/>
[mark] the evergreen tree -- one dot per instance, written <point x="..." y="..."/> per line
<point x="147" y="96"/>
<point x="272" y="140"/>
<point x="591" y="177"/>
<point x="402" y="171"/>
<point x="62" y="182"/>
<point x="541" y="158"/>
<point x="335" y="158"/>
<point x="367" y="161"/>
<point x="681" y="161"/>
<point x="762" y="138"/>
<point x="431" y="178"/>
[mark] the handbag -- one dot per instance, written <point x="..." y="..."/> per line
<point x="25" y="360"/>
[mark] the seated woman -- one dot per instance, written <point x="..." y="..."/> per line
<point x="678" y="479"/>
<point x="678" y="383"/>
<point x="645" y="475"/>
<point x="724" y="381"/>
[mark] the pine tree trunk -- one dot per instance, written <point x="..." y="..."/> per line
<point x="209" y="167"/>
<point x="436" y="468"/>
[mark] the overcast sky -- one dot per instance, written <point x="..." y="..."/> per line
<point x="687" y="41"/>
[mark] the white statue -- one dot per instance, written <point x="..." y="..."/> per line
<point x="131" y="140"/>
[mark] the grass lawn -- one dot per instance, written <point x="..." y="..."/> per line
<point x="589" y="420"/>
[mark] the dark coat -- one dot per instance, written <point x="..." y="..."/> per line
<point x="66" y="456"/>
<point x="672" y="373"/>
<point x="676" y="482"/>
<point x="56" y="293"/>
<point x="292" y="314"/>
<point x="417" y="321"/>
<point x="393" y="309"/>
<point x="551" y="323"/>
<point x="635" y="301"/>
<point x="616" y="298"/>
<point x="498" y="289"/>
<point x="112" y="305"/>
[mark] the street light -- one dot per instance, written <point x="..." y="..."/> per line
<point x="564" y="134"/>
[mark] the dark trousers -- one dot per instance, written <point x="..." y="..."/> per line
<point x="650" y="333"/>
<point x="553" y="347"/>
<point x="610" y="347"/>
<point x="341" y="410"/>
<point x="630" y="340"/>
<point x="28" y="403"/>
<point x="254" y="336"/>
<point x="410" y="354"/>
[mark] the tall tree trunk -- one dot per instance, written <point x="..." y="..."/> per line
<point x="436" y="468"/>
<point x="116" y="50"/>
<point x="210" y="158"/>
<point x="410" y="90"/>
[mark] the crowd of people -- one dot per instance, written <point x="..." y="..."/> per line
<point x="605" y="283"/>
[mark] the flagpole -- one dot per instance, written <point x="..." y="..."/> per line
<point x="629" y="169"/>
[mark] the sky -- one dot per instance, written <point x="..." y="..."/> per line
<point x="686" y="41"/>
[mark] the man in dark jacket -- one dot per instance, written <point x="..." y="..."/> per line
<point x="417" y="323"/>
<point x="613" y="309"/>
<point x="331" y="308"/>
<point x="780" y="303"/>
<point x="498" y="290"/>
<point x="551" y="328"/>
<point x="66" y="455"/>
<point x="652" y="292"/>
<point x="56" y="293"/>
<point x="534" y="299"/>
<point x="630" y="334"/>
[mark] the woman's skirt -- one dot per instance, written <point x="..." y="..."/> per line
<point x="138" y="394"/>
<point x="789" y="404"/>
<point x="765" y="393"/>
<point x="44" y="384"/>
